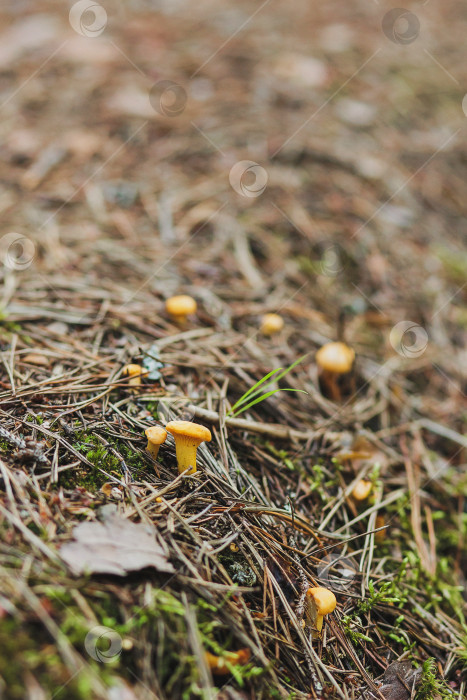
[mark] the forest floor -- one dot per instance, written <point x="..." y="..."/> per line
<point x="306" y="159"/>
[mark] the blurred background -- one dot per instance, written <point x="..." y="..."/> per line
<point x="309" y="156"/>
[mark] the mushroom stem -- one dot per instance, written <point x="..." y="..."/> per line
<point x="153" y="449"/>
<point x="156" y="436"/>
<point x="319" y="622"/>
<point x="134" y="372"/>
<point x="316" y="618"/>
<point x="186" y="449"/>
<point x="329" y="380"/>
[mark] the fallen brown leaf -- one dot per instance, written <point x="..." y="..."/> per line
<point x="398" y="681"/>
<point x="115" y="546"/>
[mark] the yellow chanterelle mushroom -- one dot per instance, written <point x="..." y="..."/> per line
<point x="180" y="307"/>
<point x="271" y="324"/>
<point x="188" y="436"/>
<point x="334" y="360"/>
<point x="134" y="372"/>
<point x="319" y="602"/>
<point x="156" y="436"/>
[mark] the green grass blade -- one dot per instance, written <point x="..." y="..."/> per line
<point x="254" y="391"/>
<point x="291" y="367"/>
<point x="247" y="394"/>
<point x="257" y="388"/>
<point x="265" y="396"/>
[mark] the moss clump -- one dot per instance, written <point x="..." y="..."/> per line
<point x="430" y="685"/>
<point x="5" y="447"/>
<point x="102" y="457"/>
<point x="26" y="646"/>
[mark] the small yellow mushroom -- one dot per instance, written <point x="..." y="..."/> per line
<point x="135" y="372"/>
<point x="180" y="307"/>
<point x="335" y="357"/>
<point x="110" y="489"/>
<point x="271" y="324"/>
<point x="380" y="536"/>
<point x="362" y="490"/>
<point x="156" y="436"/>
<point x="188" y="436"/>
<point x="218" y="664"/>
<point x="335" y="360"/>
<point x="319" y="602"/>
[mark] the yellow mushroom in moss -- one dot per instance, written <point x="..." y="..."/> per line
<point x="319" y="602"/>
<point x="111" y="489"/>
<point x="188" y="436"/>
<point x="335" y="361"/>
<point x="221" y="665"/>
<point x="362" y="490"/>
<point x="271" y="324"/>
<point x="156" y="436"/>
<point x="180" y="307"/>
<point x="134" y="372"/>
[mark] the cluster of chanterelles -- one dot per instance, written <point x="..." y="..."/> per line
<point x="335" y="362"/>
<point x="188" y="436"/>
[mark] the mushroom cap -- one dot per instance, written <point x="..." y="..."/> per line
<point x="156" y="435"/>
<point x="134" y="370"/>
<point x="362" y="489"/>
<point x="181" y="305"/>
<point x="324" y="599"/>
<point x="336" y="357"/>
<point x="193" y="431"/>
<point x="271" y="323"/>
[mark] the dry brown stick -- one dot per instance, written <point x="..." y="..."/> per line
<point x="281" y="432"/>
